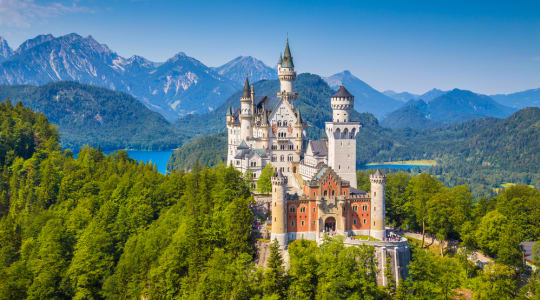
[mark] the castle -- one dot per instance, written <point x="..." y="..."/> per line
<point x="314" y="189"/>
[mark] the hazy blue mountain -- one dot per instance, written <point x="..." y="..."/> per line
<point x="237" y="69"/>
<point x="452" y="107"/>
<point x="414" y="114"/>
<point x="179" y="86"/>
<point x="366" y="98"/>
<point x="403" y="96"/>
<point x="431" y="94"/>
<point x="520" y="99"/>
<point x="96" y="116"/>
<point x="5" y="49"/>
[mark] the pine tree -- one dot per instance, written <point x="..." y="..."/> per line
<point x="274" y="276"/>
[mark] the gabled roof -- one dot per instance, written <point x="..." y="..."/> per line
<point x="319" y="147"/>
<point x="342" y="93"/>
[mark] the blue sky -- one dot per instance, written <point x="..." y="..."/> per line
<point x="484" y="46"/>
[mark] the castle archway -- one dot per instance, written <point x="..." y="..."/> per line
<point x="330" y="224"/>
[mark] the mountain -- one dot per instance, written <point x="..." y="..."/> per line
<point x="313" y="102"/>
<point x="184" y="85"/>
<point x="5" y="50"/>
<point x="431" y="94"/>
<point x="452" y="107"/>
<point x="412" y="115"/>
<point x="519" y="99"/>
<point x="96" y="116"/>
<point x="177" y="87"/>
<point x="237" y="69"/>
<point x="366" y="98"/>
<point x="406" y="96"/>
<point x="403" y="96"/>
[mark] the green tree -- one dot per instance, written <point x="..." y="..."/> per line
<point x="397" y="208"/>
<point x="264" y="183"/>
<point x="420" y="189"/>
<point x="496" y="282"/>
<point x="274" y="276"/>
<point x="303" y="270"/>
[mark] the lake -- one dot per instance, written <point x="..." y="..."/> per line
<point x="158" y="158"/>
<point x="402" y="167"/>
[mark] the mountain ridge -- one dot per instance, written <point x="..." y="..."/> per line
<point x="367" y="99"/>
<point x="454" y="106"/>
<point x="237" y="68"/>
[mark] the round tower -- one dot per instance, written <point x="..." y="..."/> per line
<point x="279" y="209"/>
<point x="245" y="112"/>
<point x="265" y="129"/>
<point x="342" y="104"/>
<point x="378" y="181"/>
<point x="286" y="75"/>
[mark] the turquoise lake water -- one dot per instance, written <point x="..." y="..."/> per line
<point x="159" y="158"/>
<point x="402" y="167"/>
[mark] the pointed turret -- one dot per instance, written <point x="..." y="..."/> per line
<point x="287" y="57"/>
<point x="229" y="111"/>
<point x="298" y="116"/>
<point x="280" y="61"/>
<point x="247" y="89"/>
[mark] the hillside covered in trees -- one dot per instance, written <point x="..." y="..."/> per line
<point x="107" y="227"/>
<point x="483" y="153"/>
<point x="89" y="115"/>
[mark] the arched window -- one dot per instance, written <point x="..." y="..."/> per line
<point x="325" y="193"/>
<point x="333" y="193"/>
<point x="282" y="158"/>
<point x="355" y="208"/>
<point x="292" y="209"/>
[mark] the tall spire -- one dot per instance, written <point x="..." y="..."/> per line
<point x="280" y="59"/>
<point x="287" y="57"/>
<point x="247" y="89"/>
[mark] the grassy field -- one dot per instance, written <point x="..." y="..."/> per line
<point x="424" y="162"/>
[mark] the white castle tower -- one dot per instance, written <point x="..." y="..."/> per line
<point x="341" y="134"/>
<point x="286" y="75"/>
<point x="246" y="113"/>
<point x="378" y="181"/>
<point x="279" y="209"/>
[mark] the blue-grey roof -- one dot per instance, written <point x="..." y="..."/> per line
<point x="319" y="147"/>
<point x="320" y="173"/>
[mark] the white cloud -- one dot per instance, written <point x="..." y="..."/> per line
<point x="22" y="13"/>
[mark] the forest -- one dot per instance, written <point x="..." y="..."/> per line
<point x="108" y="227"/>
<point x="96" y="116"/>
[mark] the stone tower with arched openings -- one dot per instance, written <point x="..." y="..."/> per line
<point x="342" y="134"/>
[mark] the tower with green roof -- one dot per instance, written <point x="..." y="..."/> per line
<point x="286" y="75"/>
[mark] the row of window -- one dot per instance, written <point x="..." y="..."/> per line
<point x="364" y="208"/>
<point x="282" y="158"/>
<point x="354" y="222"/>
<point x="302" y="209"/>
<point x="283" y="147"/>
